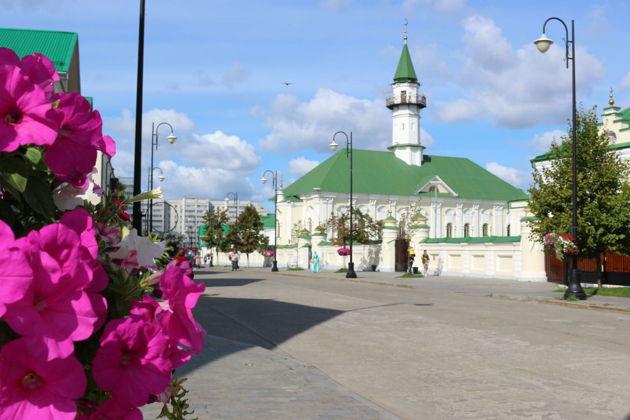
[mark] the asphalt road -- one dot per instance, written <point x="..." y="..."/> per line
<point x="432" y="353"/>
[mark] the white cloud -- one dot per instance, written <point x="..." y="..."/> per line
<point x="123" y="163"/>
<point x="195" y="166"/>
<point x="219" y="150"/>
<point x="510" y="175"/>
<point x="599" y="21"/>
<point x="426" y="139"/>
<point x="123" y="128"/>
<point x="234" y="74"/>
<point x="296" y="126"/>
<point x="486" y="45"/>
<point x="300" y="165"/>
<point x="515" y="87"/>
<point x="542" y="142"/>
<point x="459" y="110"/>
<point x="205" y="182"/>
<point x="428" y="61"/>
<point x="625" y="82"/>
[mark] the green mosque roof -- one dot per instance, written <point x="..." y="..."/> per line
<point x="376" y="172"/>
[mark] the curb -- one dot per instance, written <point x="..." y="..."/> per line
<point x="378" y="283"/>
<point x="576" y="305"/>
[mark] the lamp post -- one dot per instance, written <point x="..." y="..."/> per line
<point x="274" y="177"/>
<point x="543" y="43"/>
<point x="149" y="213"/>
<point x="351" y="274"/>
<point x="137" y="155"/>
<point x="154" y="146"/>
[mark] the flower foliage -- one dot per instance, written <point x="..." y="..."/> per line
<point x="561" y="244"/>
<point x="343" y="251"/>
<point x="81" y="334"/>
<point x="269" y="253"/>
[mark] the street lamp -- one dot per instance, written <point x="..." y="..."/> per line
<point x="149" y="213"/>
<point x="154" y="146"/>
<point x="351" y="274"/>
<point x="274" y="175"/>
<point x="543" y="43"/>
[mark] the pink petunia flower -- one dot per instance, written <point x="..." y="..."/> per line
<point x="15" y="271"/>
<point x="182" y="294"/>
<point x="61" y="304"/>
<point x="132" y="362"/>
<point x="26" y="114"/>
<point x="150" y="311"/>
<point x="107" y="233"/>
<point x="41" y="71"/>
<point x="73" y="154"/>
<point x="113" y="410"/>
<point x="32" y="387"/>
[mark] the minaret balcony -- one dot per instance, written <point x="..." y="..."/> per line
<point x="392" y="101"/>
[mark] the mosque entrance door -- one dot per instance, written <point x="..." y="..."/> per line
<point x="401" y="254"/>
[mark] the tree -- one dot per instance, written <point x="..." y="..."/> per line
<point x="603" y="217"/>
<point x="249" y="231"/>
<point x="364" y="228"/>
<point x="214" y="234"/>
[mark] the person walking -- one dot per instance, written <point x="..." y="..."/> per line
<point x="411" y="256"/>
<point x="315" y="265"/>
<point x="425" y="262"/>
<point x="235" y="258"/>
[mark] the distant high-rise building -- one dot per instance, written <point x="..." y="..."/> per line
<point x="185" y="216"/>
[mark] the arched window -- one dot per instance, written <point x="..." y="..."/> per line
<point x="403" y="97"/>
<point x="449" y="230"/>
<point x="484" y="230"/>
<point x="466" y="230"/>
<point x="508" y="230"/>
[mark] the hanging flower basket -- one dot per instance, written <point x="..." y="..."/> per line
<point x="343" y="251"/>
<point x="561" y="244"/>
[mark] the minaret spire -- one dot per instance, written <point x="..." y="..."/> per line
<point x="406" y="103"/>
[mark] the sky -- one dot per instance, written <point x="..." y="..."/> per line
<point x="217" y="71"/>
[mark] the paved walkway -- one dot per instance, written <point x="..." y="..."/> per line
<point x="234" y="380"/>
<point x="542" y="292"/>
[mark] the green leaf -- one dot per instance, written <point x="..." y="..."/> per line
<point x="39" y="197"/>
<point x="34" y="155"/>
<point x="14" y="172"/>
<point x="16" y="180"/>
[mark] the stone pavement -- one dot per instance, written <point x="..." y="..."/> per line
<point x="541" y="292"/>
<point x="246" y="381"/>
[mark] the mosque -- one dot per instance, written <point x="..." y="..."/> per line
<point x="465" y="216"/>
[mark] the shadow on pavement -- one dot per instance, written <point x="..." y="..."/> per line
<point x="223" y="282"/>
<point x="250" y="322"/>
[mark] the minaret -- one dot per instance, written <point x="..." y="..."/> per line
<point x="406" y="104"/>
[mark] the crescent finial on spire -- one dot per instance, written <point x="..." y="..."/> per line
<point x="405" y="37"/>
<point x="611" y="99"/>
